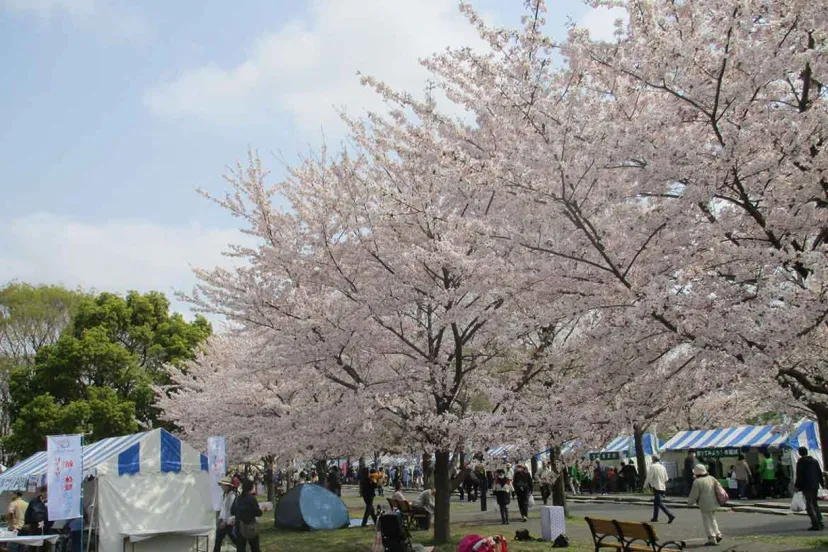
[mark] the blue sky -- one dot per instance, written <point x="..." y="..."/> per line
<point x="114" y="112"/>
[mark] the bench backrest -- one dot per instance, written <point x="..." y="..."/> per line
<point x="392" y="502"/>
<point x="601" y="526"/>
<point x="405" y="506"/>
<point x="636" y="531"/>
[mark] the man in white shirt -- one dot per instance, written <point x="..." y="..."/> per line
<point x="226" y="519"/>
<point x="657" y="480"/>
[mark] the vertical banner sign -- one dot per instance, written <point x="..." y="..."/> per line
<point x="64" y="476"/>
<point x="217" y="461"/>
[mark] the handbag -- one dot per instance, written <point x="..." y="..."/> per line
<point x="248" y="531"/>
<point x="721" y="494"/>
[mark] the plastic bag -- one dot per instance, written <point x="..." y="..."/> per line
<point x="531" y="501"/>
<point x="822" y="494"/>
<point x="798" y="502"/>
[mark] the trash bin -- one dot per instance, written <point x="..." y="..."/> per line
<point x="553" y="522"/>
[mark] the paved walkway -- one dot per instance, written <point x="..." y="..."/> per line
<point x="754" y="532"/>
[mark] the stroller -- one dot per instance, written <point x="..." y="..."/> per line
<point x="395" y="537"/>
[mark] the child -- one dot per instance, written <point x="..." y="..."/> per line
<point x="502" y="490"/>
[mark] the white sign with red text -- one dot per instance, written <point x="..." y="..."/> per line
<point x="64" y="476"/>
<point x="217" y="462"/>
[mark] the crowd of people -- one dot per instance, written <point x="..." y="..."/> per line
<point x="32" y="518"/>
<point x="705" y="491"/>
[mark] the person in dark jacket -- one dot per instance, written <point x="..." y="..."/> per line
<point x="689" y="465"/>
<point x="630" y="477"/>
<point x="246" y="510"/>
<point x="484" y="486"/>
<point x="368" y="489"/>
<point x="335" y="481"/>
<point x="809" y="480"/>
<point x="36" y="520"/>
<point x="523" y="488"/>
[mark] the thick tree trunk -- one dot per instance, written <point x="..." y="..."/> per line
<point x="442" y="499"/>
<point x="640" y="460"/>
<point x="559" y="486"/>
<point x="247" y="470"/>
<point x="428" y="472"/>
<point x="822" y="426"/>
<point x="268" y="475"/>
<point x="534" y="464"/>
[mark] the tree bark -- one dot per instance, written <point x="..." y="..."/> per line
<point x="640" y="460"/>
<point x="442" y="498"/>
<point x="822" y="426"/>
<point x="428" y="472"/>
<point x="534" y="464"/>
<point x="559" y="486"/>
<point x="268" y="475"/>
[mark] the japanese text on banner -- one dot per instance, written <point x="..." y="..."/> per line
<point x="64" y="476"/>
<point x="217" y="460"/>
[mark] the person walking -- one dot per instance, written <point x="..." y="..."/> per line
<point x="246" y="511"/>
<point x="689" y="465"/>
<point x="767" y="469"/>
<point x="703" y="493"/>
<point x="368" y="489"/>
<point x="741" y="470"/>
<point x="657" y="481"/>
<point x="574" y="479"/>
<point x="523" y="490"/>
<point x="809" y="479"/>
<point x="545" y="480"/>
<point x="226" y="520"/>
<point x="502" y="491"/>
<point x="484" y="486"/>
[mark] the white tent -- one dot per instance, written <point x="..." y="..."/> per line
<point x="147" y="492"/>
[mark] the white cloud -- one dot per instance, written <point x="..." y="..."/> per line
<point x="113" y="18"/>
<point x="118" y="255"/>
<point x="600" y="22"/>
<point x="308" y="68"/>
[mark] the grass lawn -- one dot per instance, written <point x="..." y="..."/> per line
<point x="361" y="540"/>
<point x="357" y="539"/>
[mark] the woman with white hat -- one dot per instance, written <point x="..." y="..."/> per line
<point x="703" y="493"/>
<point x="226" y="519"/>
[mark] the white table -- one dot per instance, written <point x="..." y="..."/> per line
<point x="30" y="540"/>
<point x="196" y="532"/>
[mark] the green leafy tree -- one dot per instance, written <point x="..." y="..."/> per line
<point x="31" y="317"/>
<point x="98" y="377"/>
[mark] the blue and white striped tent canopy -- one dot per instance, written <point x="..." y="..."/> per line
<point x="624" y="443"/>
<point x="804" y="435"/>
<point x="148" y="452"/>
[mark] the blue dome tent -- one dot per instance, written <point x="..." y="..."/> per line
<point x="311" y="507"/>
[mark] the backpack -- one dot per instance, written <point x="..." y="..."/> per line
<point x="561" y="542"/>
<point x="523" y="535"/>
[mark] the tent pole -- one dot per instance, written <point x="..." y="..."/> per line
<point x="94" y="517"/>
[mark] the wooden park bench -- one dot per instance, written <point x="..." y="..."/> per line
<point x="410" y="517"/>
<point x="628" y="536"/>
